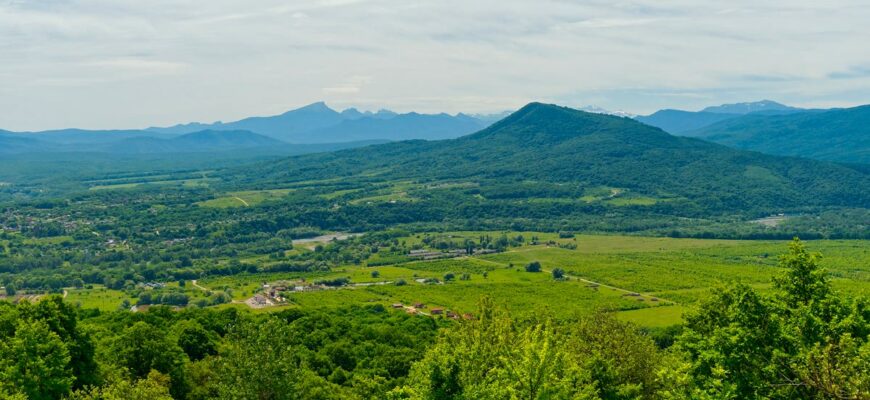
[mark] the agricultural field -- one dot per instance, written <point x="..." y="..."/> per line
<point x="646" y="280"/>
<point x="245" y="198"/>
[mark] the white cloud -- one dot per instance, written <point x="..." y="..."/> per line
<point x="128" y="63"/>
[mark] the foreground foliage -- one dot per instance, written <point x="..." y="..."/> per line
<point x="802" y="339"/>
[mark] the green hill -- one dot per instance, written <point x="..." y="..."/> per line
<point x="546" y="151"/>
<point x="835" y="135"/>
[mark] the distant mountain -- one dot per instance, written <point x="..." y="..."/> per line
<point x="768" y="106"/>
<point x="552" y="149"/>
<point x="834" y="135"/>
<point x="681" y="122"/>
<point x="13" y="144"/>
<point x="599" y="110"/>
<point x="242" y="143"/>
<point x="400" y="127"/>
<point x="317" y="123"/>
<point x="287" y="126"/>
<point x="204" y="141"/>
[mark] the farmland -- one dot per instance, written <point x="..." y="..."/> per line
<point x="602" y="271"/>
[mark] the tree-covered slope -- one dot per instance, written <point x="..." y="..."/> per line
<point x="570" y="148"/>
<point x="835" y="135"/>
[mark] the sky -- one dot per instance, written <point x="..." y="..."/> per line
<point x="101" y="64"/>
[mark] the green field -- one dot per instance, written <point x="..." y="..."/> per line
<point x="245" y="198"/>
<point x="676" y="273"/>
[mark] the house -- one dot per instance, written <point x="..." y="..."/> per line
<point x="398" y="305"/>
<point x="437" y="311"/>
<point x="419" y="305"/>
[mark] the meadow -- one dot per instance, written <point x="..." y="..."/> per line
<point x="646" y="280"/>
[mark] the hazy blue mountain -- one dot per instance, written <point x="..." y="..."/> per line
<point x="751" y="107"/>
<point x="13" y="143"/>
<point x="682" y="122"/>
<point x="834" y="135"/>
<point x="204" y="141"/>
<point x="490" y="119"/>
<point x="88" y="137"/>
<point x="679" y="121"/>
<point x="400" y="127"/>
<point x="317" y="123"/>
<point x="287" y="126"/>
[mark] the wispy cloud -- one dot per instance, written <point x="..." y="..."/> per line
<point x="129" y="63"/>
<point x="857" y="71"/>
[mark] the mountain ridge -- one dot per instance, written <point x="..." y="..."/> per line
<point x="559" y="145"/>
<point x="834" y="135"/>
<point x="318" y="123"/>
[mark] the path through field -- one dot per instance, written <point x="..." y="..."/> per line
<point x="242" y="200"/>
<point x="584" y="280"/>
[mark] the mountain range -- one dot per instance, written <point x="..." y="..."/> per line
<point x="841" y="135"/>
<point x="307" y="128"/>
<point x="317" y="123"/>
<point x="765" y="126"/>
<point x="547" y="146"/>
<point x="679" y="121"/>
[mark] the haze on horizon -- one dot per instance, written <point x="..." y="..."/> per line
<point x="132" y="64"/>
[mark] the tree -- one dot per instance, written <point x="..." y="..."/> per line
<point x="731" y="342"/>
<point x="449" y="277"/>
<point x="62" y="319"/>
<point x="142" y="348"/>
<point x="804" y="280"/>
<point x="376" y="274"/>
<point x="196" y="342"/>
<point x="558" y="274"/>
<point x="260" y="362"/>
<point x="10" y="290"/>
<point x="153" y="387"/>
<point x="494" y="358"/>
<point x="35" y="362"/>
<point x="533" y="266"/>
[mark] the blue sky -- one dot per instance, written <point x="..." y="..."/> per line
<point x="133" y="63"/>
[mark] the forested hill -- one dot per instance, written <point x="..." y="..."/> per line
<point x="835" y="135"/>
<point x="566" y="148"/>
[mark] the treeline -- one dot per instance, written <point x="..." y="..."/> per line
<point x="800" y="340"/>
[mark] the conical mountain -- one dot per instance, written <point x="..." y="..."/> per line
<point x="558" y="146"/>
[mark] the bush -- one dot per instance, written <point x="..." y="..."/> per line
<point x="533" y="266"/>
<point x="558" y="274"/>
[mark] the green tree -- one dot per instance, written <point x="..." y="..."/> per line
<point x="62" y="319"/>
<point x="558" y="274"/>
<point x="143" y="347"/>
<point x="260" y="362"/>
<point x="35" y="362"/>
<point x="805" y="280"/>
<point x="533" y="266"/>
<point x="493" y="358"/>
<point x="196" y="342"/>
<point x="154" y="387"/>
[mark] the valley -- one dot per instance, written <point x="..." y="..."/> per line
<point x="360" y="268"/>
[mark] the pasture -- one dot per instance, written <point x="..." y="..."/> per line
<point x="647" y="280"/>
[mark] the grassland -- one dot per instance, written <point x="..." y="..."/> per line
<point x="245" y="198"/>
<point x="650" y="281"/>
